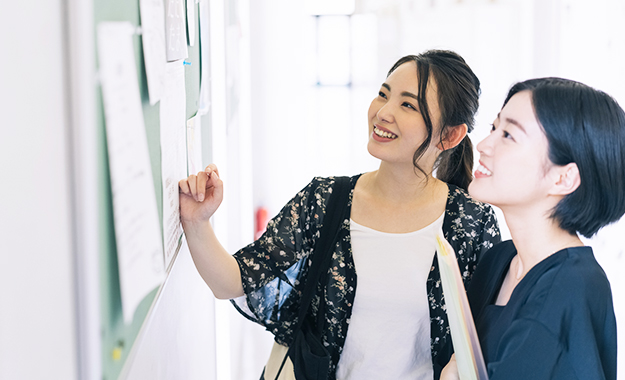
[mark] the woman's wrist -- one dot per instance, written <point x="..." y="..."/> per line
<point x="196" y="227"/>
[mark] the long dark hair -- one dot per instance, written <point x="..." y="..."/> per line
<point x="458" y="101"/>
<point x="587" y="127"/>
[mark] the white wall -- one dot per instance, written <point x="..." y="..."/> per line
<point x="178" y="337"/>
<point x="37" y="320"/>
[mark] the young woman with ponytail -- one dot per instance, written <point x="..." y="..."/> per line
<point x="381" y="305"/>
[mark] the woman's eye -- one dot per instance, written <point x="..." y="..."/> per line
<point x="408" y="105"/>
<point x="492" y="128"/>
<point x="507" y="135"/>
<point x="382" y="95"/>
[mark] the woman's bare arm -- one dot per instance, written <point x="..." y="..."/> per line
<point x="200" y="196"/>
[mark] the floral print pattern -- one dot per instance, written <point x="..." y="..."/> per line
<point x="274" y="267"/>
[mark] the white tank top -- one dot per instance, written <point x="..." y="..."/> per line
<point x="389" y="329"/>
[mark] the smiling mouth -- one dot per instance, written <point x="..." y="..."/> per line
<point x="384" y="134"/>
<point x="482" y="169"/>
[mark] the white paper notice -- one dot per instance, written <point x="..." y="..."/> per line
<point x="205" y="58"/>
<point x="137" y="230"/>
<point x="194" y="145"/>
<point x="173" y="154"/>
<point x="153" y="35"/>
<point x="191" y="21"/>
<point x="175" y="30"/>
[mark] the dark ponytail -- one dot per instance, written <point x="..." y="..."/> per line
<point x="458" y="99"/>
<point x="455" y="165"/>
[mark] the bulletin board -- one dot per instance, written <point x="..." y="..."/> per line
<point x="117" y="337"/>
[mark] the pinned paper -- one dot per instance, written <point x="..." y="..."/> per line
<point x="205" y="58"/>
<point x="173" y="154"/>
<point x="137" y="229"/>
<point x="191" y="21"/>
<point x="194" y="145"/>
<point x="175" y="30"/>
<point x="153" y="36"/>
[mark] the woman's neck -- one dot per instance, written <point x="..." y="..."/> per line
<point x="397" y="202"/>
<point x="406" y="185"/>
<point x="536" y="237"/>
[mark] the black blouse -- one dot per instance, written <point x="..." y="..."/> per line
<point x="274" y="267"/>
<point x="559" y="323"/>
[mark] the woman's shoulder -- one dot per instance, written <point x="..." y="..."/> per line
<point x="501" y="252"/>
<point x="459" y="199"/>
<point x="580" y="273"/>
<point x="570" y="282"/>
<point x="327" y="182"/>
<point x="316" y="194"/>
<point x="495" y="260"/>
<point x="466" y="214"/>
<point x="325" y="185"/>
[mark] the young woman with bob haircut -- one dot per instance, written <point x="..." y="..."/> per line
<point x="381" y="305"/>
<point x="555" y="165"/>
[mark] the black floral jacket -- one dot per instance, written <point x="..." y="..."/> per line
<point x="274" y="267"/>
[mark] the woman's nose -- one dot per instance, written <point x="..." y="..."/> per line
<point x="385" y="113"/>
<point x="486" y="145"/>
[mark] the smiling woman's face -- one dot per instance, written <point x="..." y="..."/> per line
<point x="514" y="169"/>
<point x="396" y="126"/>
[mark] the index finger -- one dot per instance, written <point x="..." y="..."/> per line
<point x="202" y="178"/>
<point x="210" y="169"/>
<point x="183" y="185"/>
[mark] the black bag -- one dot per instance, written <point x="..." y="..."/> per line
<point x="311" y="360"/>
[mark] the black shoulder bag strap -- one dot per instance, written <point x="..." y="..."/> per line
<point x="336" y="210"/>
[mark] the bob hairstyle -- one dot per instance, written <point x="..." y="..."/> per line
<point x="458" y="101"/>
<point x="587" y="127"/>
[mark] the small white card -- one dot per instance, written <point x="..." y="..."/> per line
<point x="153" y="36"/>
<point x="175" y="30"/>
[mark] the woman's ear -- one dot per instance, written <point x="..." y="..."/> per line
<point x="453" y="137"/>
<point x="568" y="180"/>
